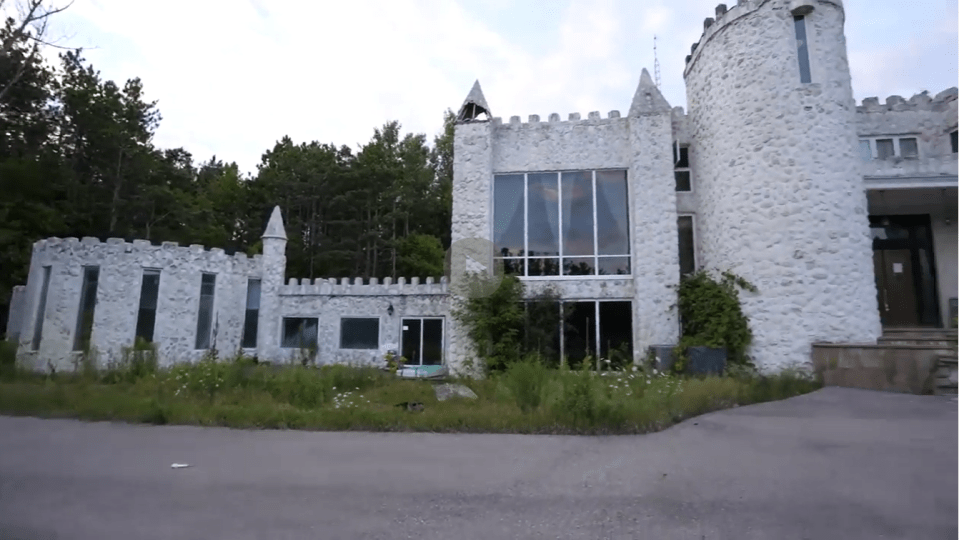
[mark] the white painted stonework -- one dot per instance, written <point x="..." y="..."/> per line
<point x="779" y="196"/>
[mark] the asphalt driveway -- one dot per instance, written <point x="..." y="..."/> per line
<point x="838" y="463"/>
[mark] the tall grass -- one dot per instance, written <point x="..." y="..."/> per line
<point x="526" y="398"/>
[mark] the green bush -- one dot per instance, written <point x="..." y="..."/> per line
<point x="8" y="359"/>
<point x="136" y="362"/>
<point x="712" y="316"/>
<point x="526" y="381"/>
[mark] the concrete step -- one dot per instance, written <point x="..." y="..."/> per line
<point x="920" y="333"/>
<point x="947" y="375"/>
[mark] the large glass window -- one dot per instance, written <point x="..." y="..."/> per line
<point x="359" y="333"/>
<point x="204" y="319"/>
<point x="591" y="326"/>
<point x="572" y="223"/>
<point x="149" y="292"/>
<point x="422" y="342"/>
<point x="88" y="303"/>
<point x="252" y="318"/>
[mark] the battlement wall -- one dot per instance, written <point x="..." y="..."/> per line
<point x="591" y="143"/>
<point x="357" y="287"/>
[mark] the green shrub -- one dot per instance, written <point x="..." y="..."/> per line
<point x="136" y="362"/>
<point x="578" y="402"/>
<point x="712" y="316"/>
<point x="8" y="359"/>
<point x="526" y="381"/>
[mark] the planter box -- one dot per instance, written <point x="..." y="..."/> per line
<point x="663" y="356"/>
<point x="706" y="361"/>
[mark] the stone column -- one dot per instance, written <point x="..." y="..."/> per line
<point x="274" y="272"/>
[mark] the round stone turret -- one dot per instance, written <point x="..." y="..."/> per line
<point x="775" y="161"/>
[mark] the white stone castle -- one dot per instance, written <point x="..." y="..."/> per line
<point x="843" y="216"/>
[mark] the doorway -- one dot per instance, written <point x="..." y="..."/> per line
<point x="905" y="269"/>
<point x="422" y="341"/>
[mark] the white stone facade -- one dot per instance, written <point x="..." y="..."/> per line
<point x="781" y="195"/>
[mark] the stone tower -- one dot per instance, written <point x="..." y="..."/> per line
<point x="780" y="196"/>
<point x="274" y="270"/>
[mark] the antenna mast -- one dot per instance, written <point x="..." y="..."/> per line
<point x="655" y="63"/>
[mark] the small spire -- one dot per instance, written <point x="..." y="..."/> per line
<point x="474" y="105"/>
<point x="274" y="228"/>
<point x="648" y="99"/>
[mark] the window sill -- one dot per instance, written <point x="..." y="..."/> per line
<point x="574" y="278"/>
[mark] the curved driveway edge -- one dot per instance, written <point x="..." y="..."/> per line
<point x="838" y="463"/>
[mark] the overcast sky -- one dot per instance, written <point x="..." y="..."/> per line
<point x="233" y="76"/>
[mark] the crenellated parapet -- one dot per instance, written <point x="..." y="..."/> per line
<point x="713" y="26"/>
<point x="534" y="121"/>
<point x="918" y="102"/>
<point x="372" y="287"/>
<point x="91" y="250"/>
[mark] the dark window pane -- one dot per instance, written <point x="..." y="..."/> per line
<point x="616" y="329"/>
<point x="204" y="319"/>
<point x="543" y="267"/>
<point x="614" y="266"/>
<point x="88" y="302"/>
<point x="884" y="148"/>
<point x="512" y="267"/>
<point x="682" y="160"/>
<point x="149" y="292"/>
<point x="583" y="266"/>
<point x="683" y="181"/>
<point x="432" y="342"/>
<point x="41" y="309"/>
<point x="612" y="215"/>
<point x="411" y="341"/>
<point x="359" y="333"/>
<point x="508" y="208"/>
<point x="299" y="333"/>
<point x="252" y="319"/>
<point x="908" y="148"/>
<point x="577" y="213"/>
<point x="579" y="333"/>
<point x="543" y="214"/>
<point x="954" y="139"/>
<point x="802" y="47"/>
<point x="687" y="246"/>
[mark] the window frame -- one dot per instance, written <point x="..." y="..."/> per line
<point x="316" y="336"/>
<point x="254" y="321"/>
<point x="596" y="324"/>
<point x="379" y="333"/>
<point x="692" y="218"/>
<point x="525" y="258"/>
<point x="159" y="273"/>
<point x="207" y="339"/>
<point x="422" y="330"/>
<point x="85" y="293"/>
<point x="896" y="148"/>
<point x="687" y="169"/>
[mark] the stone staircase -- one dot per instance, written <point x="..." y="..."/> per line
<point x="947" y="360"/>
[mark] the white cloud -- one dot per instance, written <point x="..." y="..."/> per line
<point x="232" y="77"/>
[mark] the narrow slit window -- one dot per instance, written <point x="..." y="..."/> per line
<point x="88" y="303"/>
<point x="149" y="292"/>
<point x="41" y="308"/>
<point x="251" y="320"/>
<point x="954" y="140"/>
<point x="204" y="320"/>
<point x="687" y="245"/>
<point x="802" y="47"/>
<point x="682" y="173"/>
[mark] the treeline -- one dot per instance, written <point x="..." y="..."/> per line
<point x="76" y="159"/>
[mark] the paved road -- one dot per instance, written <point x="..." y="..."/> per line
<point x="838" y="463"/>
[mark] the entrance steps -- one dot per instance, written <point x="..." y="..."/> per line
<point x="911" y="360"/>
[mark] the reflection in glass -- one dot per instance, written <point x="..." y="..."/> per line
<point x="683" y="182"/>
<point x="512" y="267"/>
<point x="543" y="214"/>
<point x="543" y="267"/>
<point x="577" y="213"/>
<point x="884" y="148"/>
<point x="508" y="203"/>
<point x="612" y="217"/>
<point x="614" y="266"/>
<point x="581" y="266"/>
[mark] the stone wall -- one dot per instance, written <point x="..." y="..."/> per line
<point x="929" y="119"/>
<point x="591" y="143"/>
<point x="15" y="316"/>
<point x="779" y="190"/>
<point x="118" y="292"/>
